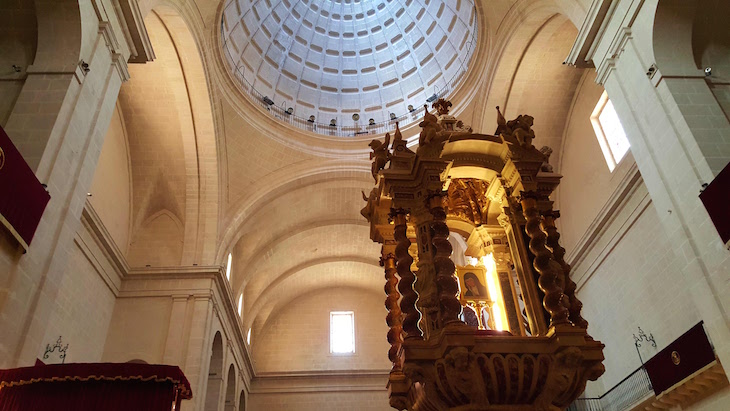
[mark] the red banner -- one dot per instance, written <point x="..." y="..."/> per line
<point x="22" y="197"/>
<point x="716" y="198"/>
<point x="682" y="358"/>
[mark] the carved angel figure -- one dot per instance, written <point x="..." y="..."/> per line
<point x="523" y="130"/>
<point x="519" y="128"/>
<point x="367" y="211"/>
<point x="430" y="128"/>
<point x="546" y="167"/>
<point x="380" y="155"/>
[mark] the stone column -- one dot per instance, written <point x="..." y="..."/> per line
<point x="521" y="259"/>
<point x="393" y="318"/>
<point x="405" y="285"/>
<point x="447" y="285"/>
<point x="553" y="236"/>
<point x="549" y="270"/>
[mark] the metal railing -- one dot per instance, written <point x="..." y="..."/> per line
<point x="627" y="393"/>
<point x="282" y="114"/>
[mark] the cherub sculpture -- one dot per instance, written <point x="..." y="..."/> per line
<point x="523" y="130"/>
<point x="367" y="211"/>
<point x="430" y="128"/>
<point x="519" y="128"/>
<point x="380" y="155"/>
<point x="546" y="167"/>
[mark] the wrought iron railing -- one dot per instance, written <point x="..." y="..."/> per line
<point x="283" y="114"/>
<point x="627" y="393"/>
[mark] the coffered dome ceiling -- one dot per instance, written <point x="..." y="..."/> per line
<point x="348" y="60"/>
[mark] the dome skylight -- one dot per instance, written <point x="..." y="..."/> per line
<point x="351" y="61"/>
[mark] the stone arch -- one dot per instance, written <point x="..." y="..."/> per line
<point x="59" y="34"/>
<point x="215" y="374"/>
<point x="711" y="48"/>
<point x="230" y="400"/>
<point x="242" y="401"/>
<point x="173" y="152"/>
<point x="19" y="44"/>
<point x="280" y="182"/>
<point x="672" y="37"/>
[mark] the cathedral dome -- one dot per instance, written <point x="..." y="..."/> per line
<point x="338" y="66"/>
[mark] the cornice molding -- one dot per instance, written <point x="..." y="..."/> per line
<point x="599" y="14"/>
<point x="319" y="381"/>
<point x="135" y="31"/>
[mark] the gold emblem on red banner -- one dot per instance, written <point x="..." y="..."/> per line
<point x="2" y="158"/>
<point x="675" y="358"/>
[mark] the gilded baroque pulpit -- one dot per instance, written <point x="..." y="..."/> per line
<point x="502" y="330"/>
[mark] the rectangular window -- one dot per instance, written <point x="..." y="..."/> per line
<point x="610" y="133"/>
<point x="342" y="332"/>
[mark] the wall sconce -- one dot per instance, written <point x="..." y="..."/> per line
<point x="311" y="119"/>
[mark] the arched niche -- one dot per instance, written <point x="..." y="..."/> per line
<point x="215" y="374"/>
<point x="230" y="402"/>
<point x="242" y="401"/>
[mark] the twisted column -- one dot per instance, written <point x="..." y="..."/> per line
<point x="393" y="318"/>
<point x="549" y="270"/>
<point x="405" y="285"/>
<point x="447" y="285"/>
<point x="553" y="241"/>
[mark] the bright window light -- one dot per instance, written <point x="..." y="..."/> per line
<point x="228" y="267"/>
<point x="240" y="304"/>
<point x="495" y="292"/>
<point x="610" y="133"/>
<point x="342" y="332"/>
<point x="248" y="337"/>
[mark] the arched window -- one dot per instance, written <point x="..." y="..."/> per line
<point x="610" y="133"/>
<point x="248" y="337"/>
<point x="240" y="304"/>
<point x="228" y="266"/>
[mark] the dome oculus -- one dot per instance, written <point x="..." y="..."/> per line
<point x="337" y="58"/>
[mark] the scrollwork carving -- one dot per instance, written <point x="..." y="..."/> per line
<point x="467" y="200"/>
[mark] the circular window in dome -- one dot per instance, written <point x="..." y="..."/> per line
<point x="313" y="61"/>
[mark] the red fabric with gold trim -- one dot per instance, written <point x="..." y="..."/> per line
<point x="93" y="386"/>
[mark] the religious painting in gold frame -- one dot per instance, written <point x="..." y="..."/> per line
<point x="472" y="283"/>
